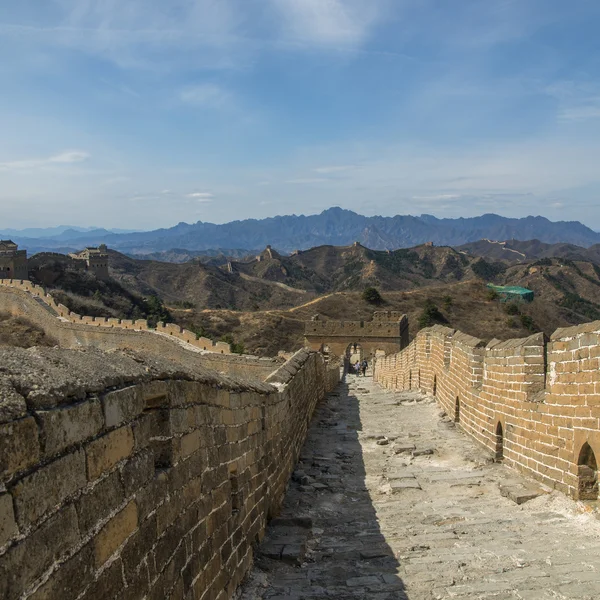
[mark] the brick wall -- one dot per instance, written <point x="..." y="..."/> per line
<point x="542" y="396"/>
<point x="126" y="477"/>
<point x="23" y="298"/>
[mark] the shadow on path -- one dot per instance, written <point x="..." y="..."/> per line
<point x="327" y="541"/>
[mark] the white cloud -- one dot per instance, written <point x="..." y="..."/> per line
<point x="335" y="169"/>
<point x="329" y="22"/>
<point x="64" y="158"/>
<point x="304" y="180"/>
<point x="202" y="197"/>
<point x="207" y="95"/>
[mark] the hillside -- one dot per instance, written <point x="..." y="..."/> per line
<point x="262" y="302"/>
<point x="512" y="251"/>
<point x="334" y="226"/>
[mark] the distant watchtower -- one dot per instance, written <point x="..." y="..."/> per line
<point x="96" y="260"/>
<point x="387" y="332"/>
<point x="13" y="262"/>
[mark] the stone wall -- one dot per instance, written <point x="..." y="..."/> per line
<point x="533" y="402"/>
<point x="387" y="332"/>
<point x="22" y="298"/>
<point x="127" y="476"/>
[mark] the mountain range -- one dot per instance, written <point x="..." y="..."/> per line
<point x="334" y="226"/>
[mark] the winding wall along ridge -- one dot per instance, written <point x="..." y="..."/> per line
<point x="61" y="311"/>
<point x="533" y="402"/>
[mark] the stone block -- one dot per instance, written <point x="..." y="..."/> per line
<point x="189" y="444"/>
<point x="48" y="487"/>
<point x="31" y="557"/>
<point x="105" y="452"/>
<point x="19" y="446"/>
<point x="114" y="533"/>
<point x="122" y="406"/>
<point x="108" y="586"/>
<point x="8" y="525"/>
<point x="63" y="427"/>
<point x="138" y="470"/>
<point x="70" y="579"/>
<point x="100" y="502"/>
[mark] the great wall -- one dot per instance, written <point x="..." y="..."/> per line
<point x="140" y="468"/>
<point x="144" y="465"/>
<point x="534" y="403"/>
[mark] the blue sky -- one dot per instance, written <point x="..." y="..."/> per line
<point x="144" y="113"/>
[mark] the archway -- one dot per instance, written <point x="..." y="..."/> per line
<point x="587" y="471"/>
<point x="457" y="410"/>
<point x="499" y="442"/>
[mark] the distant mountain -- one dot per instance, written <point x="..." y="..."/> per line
<point x="61" y="232"/>
<point x="334" y="226"/>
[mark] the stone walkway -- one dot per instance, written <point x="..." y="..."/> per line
<point x="391" y="501"/>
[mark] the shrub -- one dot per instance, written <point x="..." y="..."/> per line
<point x="511" y="309"/>
<point x="447" y="300"/>
<point x="430" y="315"/>
<point x="372" y="296"/>
<point x="486" y="270"/>
<point x="491" y="295"/>
<point x="527" y="322"/>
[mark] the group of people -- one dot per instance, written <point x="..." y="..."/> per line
<point x="360" y="367"/>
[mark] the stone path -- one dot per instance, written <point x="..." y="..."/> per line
<point x="390" y="501"/>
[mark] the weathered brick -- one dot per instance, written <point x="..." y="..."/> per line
<point x="138" y="470"/>
<point x="63" y="427"/>
<point x="100" y="502"/>
<point x="109" y="586"/>
<point x="25" y="562"/>
<point x="19" y="446"/>
<point x="121" y="406"/>
<point x="8" y="525"/>
<point x="71" y="579"/>
<point x="105" y="452"/>
<point x="48" y="487"/>
<point x="114" y="533"/>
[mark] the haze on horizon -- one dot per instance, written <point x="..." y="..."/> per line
<point x="141" y="114"/>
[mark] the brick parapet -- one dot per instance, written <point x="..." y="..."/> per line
<point x="544" y="394"/>
<point x="26" y="288"/>
<point x="156" y="485"/>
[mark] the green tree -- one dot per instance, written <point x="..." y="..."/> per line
<point x="372" y="296"/>
<point x="431" y="315"/>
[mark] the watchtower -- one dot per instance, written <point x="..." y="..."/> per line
<point x="387" y="332"/>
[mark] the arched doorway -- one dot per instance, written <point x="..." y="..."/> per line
<point x="457" y="410"/>
<point x="587" y="471"/>
<point x="499" y="442"/>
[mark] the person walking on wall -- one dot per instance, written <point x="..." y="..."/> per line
<point x="357" y="368"/>
<point x="364" y="365"/>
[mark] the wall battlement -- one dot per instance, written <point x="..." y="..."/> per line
<point x="533" y="402"/>
<point x="18" y="297"/>
<point x="387" y="332"/>
<point x="135" y="477"/>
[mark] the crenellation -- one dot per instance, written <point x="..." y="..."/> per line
<point x="545" y="394"/>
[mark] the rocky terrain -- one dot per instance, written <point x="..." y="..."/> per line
<point x="262" y="301"/>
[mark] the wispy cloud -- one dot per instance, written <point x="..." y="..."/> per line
<point x="207" y="95"/>
<point x="64" y="158"/>
<point x="328" y="22"/>
<point x="335" y="169"/>
<point x="307" y="180"/>
<point x="202" y="197"/>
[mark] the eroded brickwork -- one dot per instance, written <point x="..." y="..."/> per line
<point x="126" y="477"/>
<point x="534" y="403"/>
